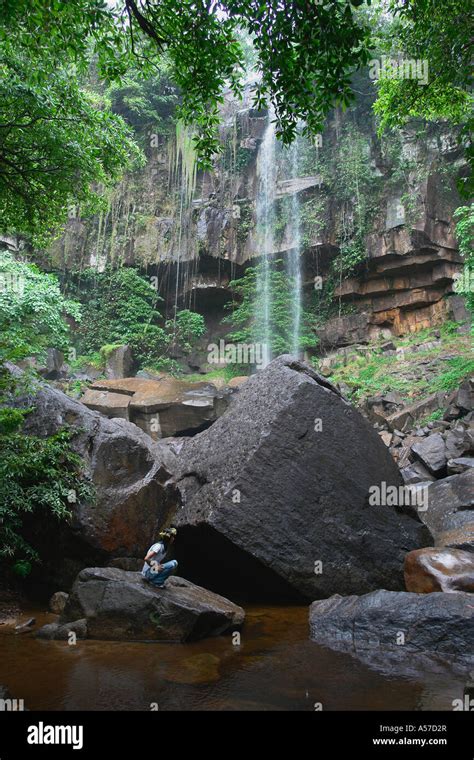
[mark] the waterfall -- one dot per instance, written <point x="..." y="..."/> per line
<point x="293" y="259"/>
<point x="265" y="209"/>
<point x="266" y="175"/>
<point x="184" y="171"/>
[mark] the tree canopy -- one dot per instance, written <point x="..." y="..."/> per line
<point x="59" y="140"/>
<point x="440" y="34"/>
<point x="305" y="49"/>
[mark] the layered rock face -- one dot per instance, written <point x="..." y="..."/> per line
<point x="275" y="494"/>
<point x="161" y="407"/>
<point x="411" y="252"/>
<point x="133" y="492"/>
<point x="112" y="604"/>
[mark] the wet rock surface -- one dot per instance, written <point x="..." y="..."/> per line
<point x="450" y="570"/>
<point x="404" y="622"/>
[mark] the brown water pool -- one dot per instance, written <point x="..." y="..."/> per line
<point x="275" y="667"/>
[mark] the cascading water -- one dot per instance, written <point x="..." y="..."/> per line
<point x="293" y="259"/>
<point x="265" y="208"/>
<point x="266" y="174"/>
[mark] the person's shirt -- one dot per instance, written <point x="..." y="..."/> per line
<point x="159" y="551"/>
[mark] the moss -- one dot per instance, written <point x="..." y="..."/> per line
<point x="108" y="349"/>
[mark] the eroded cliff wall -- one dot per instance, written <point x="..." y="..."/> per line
<point x="375" y="220"/>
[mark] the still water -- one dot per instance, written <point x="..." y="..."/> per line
<point x="275" y="667"/>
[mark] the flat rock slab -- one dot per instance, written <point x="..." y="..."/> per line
<point x="162" y="407"/>
<point x="396" y="621"/>
<point x="276" y="494"/>
<point x="120" y="605"/>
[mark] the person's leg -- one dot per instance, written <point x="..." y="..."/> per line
<point x="158" y="579"/>
<point x="151" y="577"/>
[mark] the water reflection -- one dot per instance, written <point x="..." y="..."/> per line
<point x="276" y="667"/>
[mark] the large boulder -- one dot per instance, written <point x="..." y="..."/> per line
<point x="430" y="569"/>
<point x="396" y="621"/>
<point x="119" y="605"/>
<point x="162" y="407"/>
<point x="133" y="493"/>
<point x="276" y="494"/>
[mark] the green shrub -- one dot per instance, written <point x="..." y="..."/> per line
<point x="121" y="306"/>
<point x="36" y="475"/>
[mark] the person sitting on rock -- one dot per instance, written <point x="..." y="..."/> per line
<point x="153" y="570"/>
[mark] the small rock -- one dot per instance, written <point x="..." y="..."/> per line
<point x="386" y="438"/>
<point x="399" y="433"/>
<point x="452" y="412"/>
<point x="432" y="453"/>
<point x="457" y="442"/>
<point x="415" y="473"/>
<point x="63" y="631"/>
<point x="58" y="602"/>
<point x="450" y="508"/>
<point x="25" y="627"/>
<point x="464" y="396"/>
<point x="461" y="464"/>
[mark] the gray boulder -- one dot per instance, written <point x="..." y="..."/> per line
<point x="55" y="367"/>
<point x="133" y="496"/>
<point x="275" y="494"/>
<point x="449" y="515"/>
<point x="63" y="631"/>
<point x="397" y="621"/>
<point x="112" y="604"/>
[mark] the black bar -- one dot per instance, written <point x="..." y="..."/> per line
<point x="128" y="734"/>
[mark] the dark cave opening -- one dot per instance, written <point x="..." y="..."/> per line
<point x="207" y="558"/>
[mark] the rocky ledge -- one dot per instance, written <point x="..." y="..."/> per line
<point x="112" y="604"/>
<point x="437" y="623"/>
<point x="162" y="407"/>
